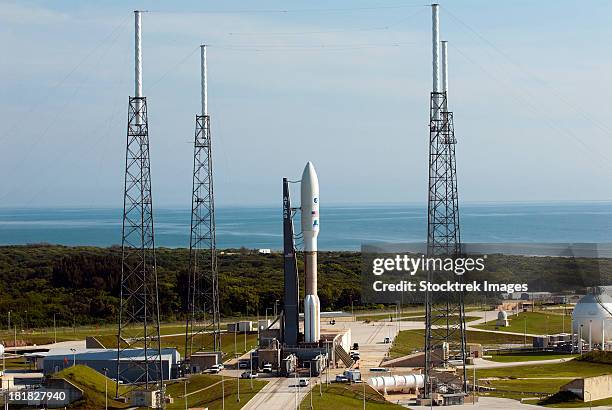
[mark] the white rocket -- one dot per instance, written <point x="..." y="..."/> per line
<point x="310" y="231"/>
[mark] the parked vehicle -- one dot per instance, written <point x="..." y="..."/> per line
<point x="215" y="368"/>
<point x="303" y="382"/>
<point x="267" y="368"/>
<point x="355" y="346"/>
<point x="387" y="340"/>
<point x="379" y="370"/>
<point x="249" y="375"/>
<point x="341" y="379"/>
<point x="243" y="364"/>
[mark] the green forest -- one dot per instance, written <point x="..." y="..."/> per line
<point x="80" y="285"/>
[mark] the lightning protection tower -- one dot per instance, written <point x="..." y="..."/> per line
<point x="139" y="359"/>
<point x="202" y="331"/>
<point x="445" y="313"/>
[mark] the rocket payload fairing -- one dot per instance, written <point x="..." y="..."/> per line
<point x="310" y="231"/>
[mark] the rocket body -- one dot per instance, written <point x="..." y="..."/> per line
<point x="310" y="232"/>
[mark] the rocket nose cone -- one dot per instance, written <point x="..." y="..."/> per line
<point x="309" y="171"/>
<point x="310" y="183"/>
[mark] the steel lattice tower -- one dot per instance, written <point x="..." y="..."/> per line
<point x="445" y="312"/>
<point x="139" y="306"/>
<point x="139" y="322"/>
<point x="202" y="330"/>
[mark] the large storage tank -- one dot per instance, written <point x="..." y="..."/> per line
<point x="385" y="384"/>
<point x="594" y="313"/>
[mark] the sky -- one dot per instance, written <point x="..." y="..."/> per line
<point x="343" y="84"/>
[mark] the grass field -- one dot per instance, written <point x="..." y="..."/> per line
<point x="528" y="356"/>
<point x="537" y="323"/>
<point x="345" y="397"/>
<point x="526" y="381"/>
<point x="92" y="384"/>
<point x="213" y="392"/>
<point x="407" y="341"/>
<point x="207" y="390"/>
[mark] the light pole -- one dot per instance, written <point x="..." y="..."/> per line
<point x="297" y="383"/>
<point x="590" y="399"/>
<point x="525" y="330"/>
<point x="105" y="370"/>
<point x="267" y="316"/>
<point x="474" y="398"/>
<point x="185" y="395"/>
<point x="364" y="400"/>
<point x="310" y="377"/>
<point x="238" y="396"/>
<point x="9" y="320"/>
<point x="297" y="387"/>
<point x="73" y="350"/>
<point x="251" y="364"/>
<point x="276" y="308"/>
<point x="580" y="340"/>
<point x="222" y="392"/>
<point x="54" y="330"/>
<point x="235" y="343"/>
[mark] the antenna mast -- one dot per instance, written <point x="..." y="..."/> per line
<point x="139" y="322"/>
<point x="202" y="331"/>
<point x="445" y="313"/>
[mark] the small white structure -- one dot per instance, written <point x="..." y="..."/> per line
<point x="265" y="251"/>
<point x="502" y="319"/>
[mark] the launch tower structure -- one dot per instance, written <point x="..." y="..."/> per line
<point x="445" y="312"/>
<point x="291" y="307"/>
<point x="139" y="322"/>
<point x="202" y="330"/>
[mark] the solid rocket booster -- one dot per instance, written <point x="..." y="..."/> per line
<point x="310" y="231"/>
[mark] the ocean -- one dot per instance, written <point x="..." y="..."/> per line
<point x="343" y="227"/>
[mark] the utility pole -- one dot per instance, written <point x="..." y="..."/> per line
<point x="185" y="395"/>
<point x="105" y="370"/>
<point x="309" y="378"/>
<point x="297" y="390"/>
<point x="54" y="330"/>
<point x="251" y="363"/>
<point x="364" y="393"/>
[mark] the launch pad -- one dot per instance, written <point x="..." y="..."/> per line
<point x="284" y="346"/>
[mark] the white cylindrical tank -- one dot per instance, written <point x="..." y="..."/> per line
<point x="397" y="382"/>
<point x="592" y="318"/>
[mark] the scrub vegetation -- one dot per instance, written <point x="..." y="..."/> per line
<point x="80" y="285"/>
